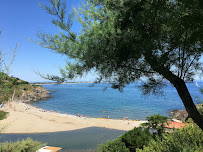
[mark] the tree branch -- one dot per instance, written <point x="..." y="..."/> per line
<point x="187" y="68"/>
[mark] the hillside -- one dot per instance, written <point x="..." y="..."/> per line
<point x="12" y="88"/>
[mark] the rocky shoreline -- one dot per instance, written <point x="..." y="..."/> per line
<point x="36" y="94"/>
<point x="181" y="114"/>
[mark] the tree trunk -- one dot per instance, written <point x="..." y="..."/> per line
<point x="180" y="86"/>
<point x="190" y="107"/>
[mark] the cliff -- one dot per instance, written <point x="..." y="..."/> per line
<point x="35" y="94"/>
<point x="12" y="88"/>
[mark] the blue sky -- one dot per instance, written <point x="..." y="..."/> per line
<point x="20" y="20"/>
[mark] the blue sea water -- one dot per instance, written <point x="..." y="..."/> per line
<point x="95" y="102"/>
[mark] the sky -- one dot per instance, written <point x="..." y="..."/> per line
<point x="19" y="21"/>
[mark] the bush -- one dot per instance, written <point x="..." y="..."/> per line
<point x="3" y="115"/>
<point x="27" y="145"/>
<point x="115" y="146"/>
<point x="136" y="138"/>
<point x="188" y="139"/>
<point x="23" y="82"/>
<point x="156" y="122"/>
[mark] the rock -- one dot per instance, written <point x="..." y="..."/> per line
<point x="37" y="93"/>
<point x="180" y="114"/>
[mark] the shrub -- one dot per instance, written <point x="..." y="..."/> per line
<point x="23" y="82"/>
<point x="5" y="98"/>
<point x="113" y="146"/>
<point x="3" y="115"/>
<point x="156" y="122"/>
<point x="186" y="139"/>
<point x="27" y="145"/>
<point x="191" y="149"/>
<point x="136" y="138"/>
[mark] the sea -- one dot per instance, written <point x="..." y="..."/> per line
<point x="96" y="102"/>
<point x="101" y="101"/>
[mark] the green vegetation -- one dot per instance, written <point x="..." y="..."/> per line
<point x="27" y="145"/>
<point x="124" y="41"/>
<point x="188" y="139"/>
<point x="156" y="122"/>
<point x="113" y="146"/>
<point x="12" y="86"/>
<point x="7" y="84"/>
<point x="136" y="138"/>
<point x="128" y="142"/>
<point x="3" y="115"/>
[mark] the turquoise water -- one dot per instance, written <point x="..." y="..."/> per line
<point x="95" y="102"/>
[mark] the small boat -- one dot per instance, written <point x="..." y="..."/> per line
<point x="49" y="149"/>
<point x="197" y="85"/>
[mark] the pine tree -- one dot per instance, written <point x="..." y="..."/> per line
<point x="126" y="40"/>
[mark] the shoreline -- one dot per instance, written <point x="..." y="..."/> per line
<point x="24" y="119"/>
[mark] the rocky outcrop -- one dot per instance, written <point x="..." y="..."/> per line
<point x="12" y="88"/>
<point x="182" y="114"/>
<point x="35" y="94"/>
<point x="179" y="114"/>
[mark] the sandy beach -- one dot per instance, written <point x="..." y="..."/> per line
<point x="24" y="118"/>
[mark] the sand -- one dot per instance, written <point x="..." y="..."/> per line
<point x="34" y="120"/>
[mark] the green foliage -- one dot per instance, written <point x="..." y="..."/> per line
<point x="113" y="146"/>
<point x="3" y="115"/>
<point x="123" y="41"/>
<point x="136" y="138"/>
<point x="188" y="139"/>
<point x="156" y="122"/>
<point x="191" y="149"/>
<point x="9" y="84"/>
<point x="27" y="145"/>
